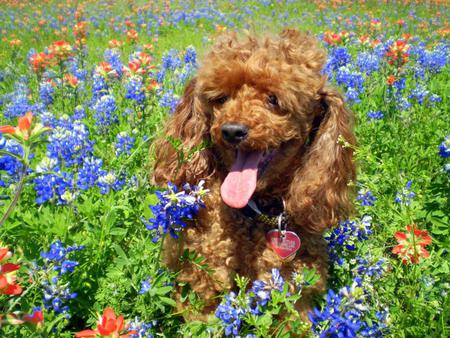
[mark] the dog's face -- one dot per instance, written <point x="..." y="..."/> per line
<point x="262" y="99"/>
<point x="258" y="103"/>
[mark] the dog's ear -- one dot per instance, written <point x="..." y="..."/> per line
<point x="182" y="153"/>
<point x="319" y="193"/>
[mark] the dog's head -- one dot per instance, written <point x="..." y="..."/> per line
<point x="271" y="124"/>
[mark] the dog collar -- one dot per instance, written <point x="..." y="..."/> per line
<point x="252" y="211"/>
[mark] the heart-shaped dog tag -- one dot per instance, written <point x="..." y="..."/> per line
<point x="284" y="246"/>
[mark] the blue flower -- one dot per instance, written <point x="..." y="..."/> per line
<point x="190" y="55"/>
<point x="169" y="99"/>
<point x="231" y="314"/>
<point x="56" y="292"/>
<point x="405" y="195"/>
<point x="368" y="62"/>
<point x="444" y="147"/>
<point x="135" y="89"/>
<point x="347" y="314"/>
<point x="366" y="198"/>
<point x="420" y="93"/>
<point x="338" y="57"/>
<point x="344" y="237"/>
<point x="141" y="329"/>
<point x="109" y="180"/>
<point x="174" y="208"/>
<point x="112" y="56"/>
<point x="105" y="108"/>
<point x="46" y="92"/>
<point x="123" y="144"/>
<point x="375" y="115"/>
<point x="145" y="286"/>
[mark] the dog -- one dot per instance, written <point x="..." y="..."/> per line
<point x="278" y="161"/>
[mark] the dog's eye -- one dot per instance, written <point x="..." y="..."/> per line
<point x="219" y="100"/>
<point x="273" y="100"/>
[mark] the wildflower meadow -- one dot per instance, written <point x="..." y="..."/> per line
<point x="85" y="89"/>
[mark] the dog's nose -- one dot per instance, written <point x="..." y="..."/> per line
<point x="234" y="133"/>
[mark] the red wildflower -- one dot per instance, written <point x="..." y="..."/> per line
<point x="71" y="79"/>
<point x="36" y="318"/>
<point x="23" y="126"/>
<point x="132" y="35"/>
<point x="398" y="53"/>
<point x="105" y="69"/>
<point x="115" y="43"/>
<point x="332" y="38"/>
<point x="107" y="325"/>
<point x="411" y="245"/>
<point x="61" y="49"/>
<point x="40" y="61"/>
<point x="8" y="275"/>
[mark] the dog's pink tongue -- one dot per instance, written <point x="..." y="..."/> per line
<point x="240" y="183"/>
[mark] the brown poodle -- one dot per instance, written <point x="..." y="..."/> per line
<point x="279" y="139"/>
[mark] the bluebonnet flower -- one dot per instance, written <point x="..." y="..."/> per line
<point x="366" y="198"/>
<point x="403" y="104"/>
<point x="105" y="108"/>
<point x="171" y="60"/>
<point x="89" y="172"/>
<point x="141" y="329"/>
<point x="46" y="92"/>
<point x="169" y="99"/>
<point x="347" y="314"/>
<point x="190" y="55"/>
<point x="56" y="292"/>
<point x="433" y="99"/>
<point x="345" y="236"/>
<point x="58" y="252"/>
<point x="338" y="57"/>
<point x="145" y="286"/>
<point x="109" y="180"/>
<point x="261" y="292"/>
<point x="368" y="62"/>
<point x="444" y="147"/>
<point x="375" y="115"/>
<point x="124" y="143"/>
<point x="99" y="87"/>
<point x="231" y="314"/>
<point x="420" y="93"/>
<point x="352" y="80"/>
<point x="9" y="164"/>
<point x="112" y="56"/>
<point x="49" y="186"/>
<point x="369" y="269"/>
<point x="73" y="65"/>
<point x="70" y="143"/>
<point x="79" y="113"/>
<point x="18" y="104"/>
<point x="405" y="195"/>
<point x="135" y="89"/>
<point x="435" y="60"/>
<point x="174" y="208"/>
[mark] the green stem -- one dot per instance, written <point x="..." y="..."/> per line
<point x="17" y="193"/>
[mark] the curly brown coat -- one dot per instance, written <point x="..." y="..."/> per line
<point x="306" y="129"/>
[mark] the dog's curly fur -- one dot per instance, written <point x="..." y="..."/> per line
<point x="312" y="176"/>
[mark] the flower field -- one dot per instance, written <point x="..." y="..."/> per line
<point x="85" y="88"/>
